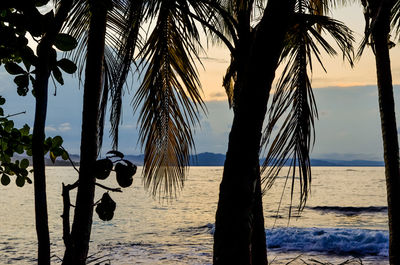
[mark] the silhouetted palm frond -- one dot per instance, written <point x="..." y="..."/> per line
<point x="130" y="42"/>
<point x="119" y="36"/>
<point x="170" y="95"/>
<point x="294" y="98"/>
<point x="395" y="22"/>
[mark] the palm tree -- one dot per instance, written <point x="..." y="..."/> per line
<point x="294" y="96"/>
<point x="239" y="226"/>
<point x="248" y="82"/>
<point x="78" y="243"/>
<point x="169" y="92"/>
<point x="378" y="18"/>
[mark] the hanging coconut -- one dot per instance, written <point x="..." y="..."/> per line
<point x="105" y="209"/>
<point x="125" y="173"/>
<point x="102" y="168"/>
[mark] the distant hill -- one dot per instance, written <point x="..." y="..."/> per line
<point x="212" y="159"/>
<point x="202" y="159"/>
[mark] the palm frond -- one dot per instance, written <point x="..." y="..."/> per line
<point x="170" y="97"/>
<point x="294" y="140"/>
<point x="123" y="22"/>
<point x="294" y="98"/>
<point x="222" y="25"/>
<point x="395" y="21"/>
<point x="130" y="40"/>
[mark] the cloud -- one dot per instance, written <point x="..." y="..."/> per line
<point x="212" y="59"/>
<point x="50" y="129"/>
<point x="64" y="127"/>
<point x="218" y="95"/>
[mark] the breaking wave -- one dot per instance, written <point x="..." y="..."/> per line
<point x="339" y="241"/>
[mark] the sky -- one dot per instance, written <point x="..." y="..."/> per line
<point x="348" y="126"/>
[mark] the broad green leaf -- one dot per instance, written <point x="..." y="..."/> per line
<point x="58" y="75"/>
<point x="15" y="134"/>
<point x="57" y="151"/>
<point x="24" y="172"/>
<point x="2" y="100"/>
<point x="25" y="130"/>
<point x="29" y="152"/>
<point x="48" y="143"/>
<point x="8" y="126"/>
<point x="24" y="163"/>
<point x="65" y="42"/>
<point x="28" y="57"/>
<point x="67" y="65"/>
<point x="21" y="80"/>
<point x="19" y="149"/>
<point x="57" y="141"/>
<point x="5" y="179"/>
<point x="14" y="69"/>
<point x="65" y="155"/>
<point x="22" y="91"/>
<point x="20" y="181"/>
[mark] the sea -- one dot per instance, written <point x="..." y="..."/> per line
<point x="345" y="220"/>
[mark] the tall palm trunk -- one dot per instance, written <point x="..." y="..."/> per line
<point x="239" y="229"/>
<point x="77" y="250"/>
<point x="41" y="216"/>
<point x="380" y="36"/>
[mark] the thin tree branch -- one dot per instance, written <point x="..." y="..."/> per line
<point x="109" y="189"/>
<point x="15" y="114"/>
<point x="70" y="160"/>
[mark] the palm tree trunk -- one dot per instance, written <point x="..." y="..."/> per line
<point x="380" y="36"/>
<point x="239" y="215"/>
<point x="41" y="216"/>
<point x="76" y="253"/>
<point x="258" y="242"/>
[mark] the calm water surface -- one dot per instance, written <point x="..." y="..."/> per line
<point x="345" y="217"/>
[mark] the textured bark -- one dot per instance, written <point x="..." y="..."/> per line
<point x="239" y="215"/>
<point x="380" y="36"/>
<point x="77" y="251"/>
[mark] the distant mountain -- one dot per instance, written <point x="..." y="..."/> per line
<point x="340" y="163"/>
<point x="344" y="163"/>
<point x="212" y="159"/>
<point x="202" y="159"/>
<point x="207" y="159"/>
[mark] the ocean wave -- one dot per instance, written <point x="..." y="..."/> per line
<point x="196" y="230"/>
<point x="339" y="241"/>
<point x="350" y="210"/>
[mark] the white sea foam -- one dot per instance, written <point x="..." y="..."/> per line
<point x="339" y="241"/>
